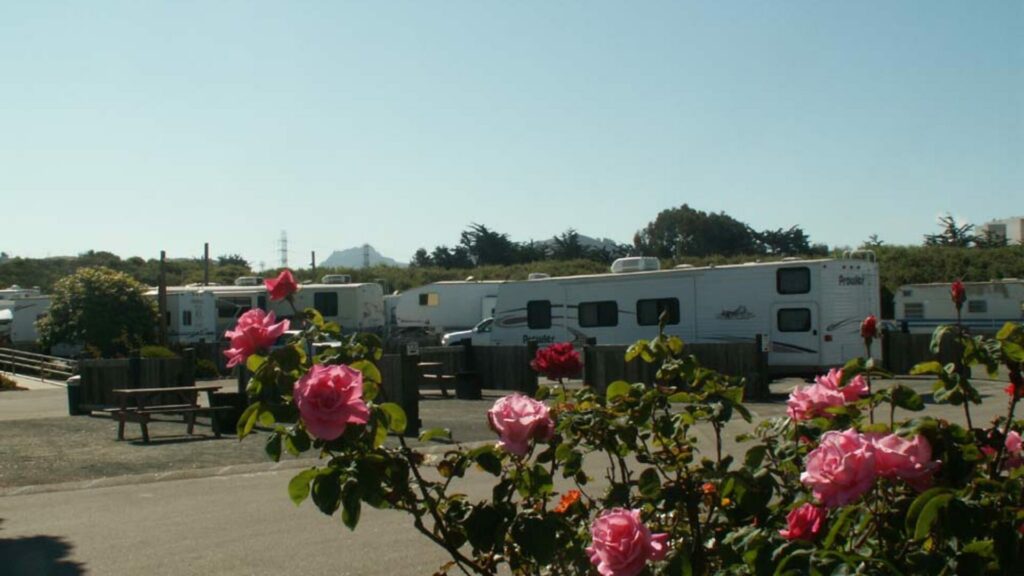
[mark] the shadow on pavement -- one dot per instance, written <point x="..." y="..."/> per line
<point x="37" y="556"/>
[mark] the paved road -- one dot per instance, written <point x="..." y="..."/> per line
<point x="237" y="523"/>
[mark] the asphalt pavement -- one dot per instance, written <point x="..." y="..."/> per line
<point x="232" y="518"/>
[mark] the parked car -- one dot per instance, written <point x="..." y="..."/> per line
<point x="479" y="335"/>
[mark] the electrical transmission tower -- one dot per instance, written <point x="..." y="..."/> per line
<point x="366" y="255"/>
<point x="282" y="247"/>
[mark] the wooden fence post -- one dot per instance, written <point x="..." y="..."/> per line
<point x="532" y="380"/>
<point x="409" y="392"/>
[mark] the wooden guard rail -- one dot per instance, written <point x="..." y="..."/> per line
<point x="18" y="361"/>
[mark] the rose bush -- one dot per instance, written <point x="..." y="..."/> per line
<point x="827" y="490"/>
<point x="558" y="361"/>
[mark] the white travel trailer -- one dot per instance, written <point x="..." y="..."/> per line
<point x="922" y="307"/>
<point x="808" y="312"/>
<point x="443" y="306"/>
<point x="19" y="313"/>
<point x="191" y="314"/>
<point x="197" y="313"/>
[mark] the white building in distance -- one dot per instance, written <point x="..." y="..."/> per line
<point x="1009" y="229"/>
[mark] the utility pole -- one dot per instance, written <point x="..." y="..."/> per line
<point x="312" y="257"/>
<point x="161" y="299"/>
<point x="206" y="264"/>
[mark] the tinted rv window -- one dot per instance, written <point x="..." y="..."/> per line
<point x="261" y="303"/>
<point x="598" y="313"/>
<point x="326" y="303"/>
<point x="793" y="280"/>
<point x="538" y="314"/>
<point x="430" y="299"/>
<point x="977" y="306"/>
<point x="186" y="318"/>
<point x="794" y="319"/>
<point x="649" y="311"/>
<point x="913" y="310"/>
<point x="232" y="307"/>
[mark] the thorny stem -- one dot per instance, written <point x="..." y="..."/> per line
<point x="431" y="505"/>
<point x="1018" y="383"/>
<point x="867" y="379"/>
<point x="959" y="363"/>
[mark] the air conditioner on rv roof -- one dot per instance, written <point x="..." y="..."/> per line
<point x="248" y="281"/>
<point x="636" y="264"/>
<point x="336" y="279"/>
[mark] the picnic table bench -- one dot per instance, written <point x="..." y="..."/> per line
<point x="140" y="404"/>
<point x="434" y="372"/>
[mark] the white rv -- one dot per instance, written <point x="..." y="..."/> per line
<point x="198" y="313"/>
<point x="19" y="313"/>
<point x="922" y="307"/>
<point x="443" y="306"/>
<point x="808" y="312"/>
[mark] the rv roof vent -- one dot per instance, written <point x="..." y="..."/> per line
<point x="790" y="259"/>
<point x="868" y="255"/>
<point x="336" y="279"/>
<point x="1011" y="279"/>
<point x="683" y="266"/>
<point x="248" y="281"/>
<point x="635" y="264"/>
<point x="538" y="276"/>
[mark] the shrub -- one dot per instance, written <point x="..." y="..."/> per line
<point x="8" y="383"/>
<point x="206" y="368"/>
<point x="156" y="352"/>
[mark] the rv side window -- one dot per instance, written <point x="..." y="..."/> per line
<point x="186" y="318"/>
<point x="794" y="319"/>
<point x="977" y="306"/>
<point x="913" y="310"/>
<point x="598" y="314"/>
<point x="232" y="307"/>
<point x="538" y="314"/>
<point x="793" y="280"/>
<point x="649" y="311"/>
<point x="261" y="303"/>
<point x="167" y="319"/>
<point x="430" y="299"/>
<point x="326" y="303"/>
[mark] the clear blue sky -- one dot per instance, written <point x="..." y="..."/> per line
<point x="139" y="126"/>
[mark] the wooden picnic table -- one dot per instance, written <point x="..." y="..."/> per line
<point x="140" y="404"/>
<point x="434" y="371"/>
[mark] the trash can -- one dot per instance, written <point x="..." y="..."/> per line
<point x="227" y="420"/>
<point x="467" y="386"/>
<point x="74" y="386"/>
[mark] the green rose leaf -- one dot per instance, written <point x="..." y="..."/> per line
<point x="255" y="362"/>
<point x="649" y="483"/>
<point x="487" y="458"/>
<point x="435" y="433"/>
<point x="298" y="487"/>
<point x="247" y="420"/>
<point x="273" y="447"/>
<point x="906" y="398"/>
<point x="327" y="492"/>
<point x="351" y="507"/>
<point x="395" y="416"/>
<point x="617" y="389"/>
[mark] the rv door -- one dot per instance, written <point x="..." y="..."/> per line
<point x="795" y="336"/>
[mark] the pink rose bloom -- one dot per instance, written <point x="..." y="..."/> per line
<point x="255" y="331"/>
<point x="330" y="398"/>
<point x="869" y="328"/>
<point x="958" y="294"/>
<point x="557" y="361"/>
<point x="622" y="544"/>
<point x="854" y="389"/>
<point x="281" y="287"/>
<point x="1014" y="457"/>
<point x="910" y="460"/>
<point x="841" y="468"/>
<point x="806" y="402"/>
<point x="517" y="419"/>
<point x="804" y="523"/>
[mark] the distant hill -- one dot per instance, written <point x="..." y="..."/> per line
<point x="356" y="257"/>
